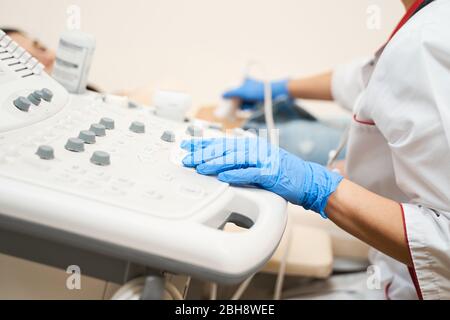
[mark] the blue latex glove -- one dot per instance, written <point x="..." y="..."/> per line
<point x="252" y="91"/>
<point x="252" y="161"/>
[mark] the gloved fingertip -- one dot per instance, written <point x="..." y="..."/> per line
<point x="186" y="145"/>
<point x="224" y="177"/>
<point x="203" y="169"/>
<point x="206" y="169"/>
<point x="226" y="95"/>
<point x="230" y="177"/>
<point x="234" y="93"/>
<point x="188" y="161"/>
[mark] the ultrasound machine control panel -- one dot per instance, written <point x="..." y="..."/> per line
<point x="85" y="171"/>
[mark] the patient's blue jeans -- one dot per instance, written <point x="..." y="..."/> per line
<point x="310" y="140"/>
<point x="301" y="133"/>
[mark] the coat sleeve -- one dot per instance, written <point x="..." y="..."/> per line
<point x="410" y="97"/>
<point x="347" y="82"/>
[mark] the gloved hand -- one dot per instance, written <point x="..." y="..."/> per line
<point x="252" y="91"/>
<point x="252" y="161"/>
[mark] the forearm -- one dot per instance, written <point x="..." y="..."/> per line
<point x="375" y="220"/>
<point x="316" y="87"/>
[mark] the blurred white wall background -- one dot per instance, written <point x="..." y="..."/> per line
<point x="201" y="46"/>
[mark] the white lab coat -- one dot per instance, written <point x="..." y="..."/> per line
<point x="399" y="145"/>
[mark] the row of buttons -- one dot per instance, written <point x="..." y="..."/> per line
<point x="23" y="104"/>
<point x="133" y="193"/>
<point x="12" y="51"/>
<point x="118" y="189"/>
<point x="100" y="158"/>
<point x="122" y="186"/>
<point x="100" y="181"/>
<point x="88" y="136"/>
<point x="103" y="158"/>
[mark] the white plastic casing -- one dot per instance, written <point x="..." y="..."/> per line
<point x="145" y="201"/>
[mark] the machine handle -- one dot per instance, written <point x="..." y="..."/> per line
<point x="247" y="251"/>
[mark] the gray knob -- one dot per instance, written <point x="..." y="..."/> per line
<point x="108" y="123"/>
<point x="75" y="145"/>
<point x="46" y="94"/>
<point x="98" y="129"/>
<point x="101" y="158"/>
<point x="34" y="98"/>
<point x="37" y="94"/>
<point x="137" y="127"/>
<point x="45" y="152"/>
<point x="132" y="105"/>
<point x="168" y="136"/>
<point x="87" y="136"/>
<point x="22" y="104"/>
<point x="194" y="131"/>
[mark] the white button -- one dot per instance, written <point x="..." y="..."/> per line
<point x="66" y="178"/>
<point x="18" y="52"/>
<point x="191" y="191"/>
<point x="5" y="41"/>
<point x="152" y="194"/>
<point x="90" y="184"/>
<point x="115" y="191"/>
<point x="120" y="142"/>
<point x="166" y="176"/>
<point x="113" y="150"/>
<point x="123" y="183"/>
<point x="100" y="176"/>
<point x="38" y="69"/>
<point x="25" y="58"/>
<point x="77" y="170"/>
<point x="148" y="151"/>
<point x="32" y="63"/>
<point x="12" y="46"/>
<point x="146" y="159"/>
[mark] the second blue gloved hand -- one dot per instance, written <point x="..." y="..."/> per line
<point x="252" y="161"/>
<point x="252" y="91"/>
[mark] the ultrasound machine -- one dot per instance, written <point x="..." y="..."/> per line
<point x="86" y="179"/>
